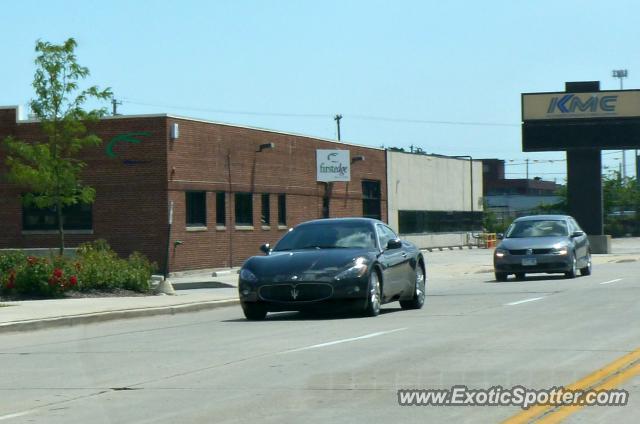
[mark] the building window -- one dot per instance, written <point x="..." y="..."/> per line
<point x="244" y="209"/>
<point x="221" y="209"/>
<point x="74" y="217"/>
<point x="265" y="218"/>
<point x="418" y="222"/>
<point x="196" y="202"/>
<point x="371" y="199"/>
<point x="282" y="209"/>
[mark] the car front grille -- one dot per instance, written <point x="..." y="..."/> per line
<point x="534" y="251"/>
<point x="302" y="292"/>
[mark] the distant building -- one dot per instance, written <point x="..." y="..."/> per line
<point x="517" y="196"/>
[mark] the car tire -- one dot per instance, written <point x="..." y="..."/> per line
<point x="254" y="311"/>
<point x="573" y="272"/>
<point x="501" y="276"/>
<point x="374" y="295"/>
<point x="520" y="275"/>
<point x="419" y="294"/>
<point x="587" y="269"/>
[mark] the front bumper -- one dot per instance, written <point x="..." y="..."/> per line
<point x="542" y="263"/>
<point x="283" y="296"/>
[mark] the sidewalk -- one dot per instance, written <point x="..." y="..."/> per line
<point x="194" y="292"/>
<point x="200" y="290"/>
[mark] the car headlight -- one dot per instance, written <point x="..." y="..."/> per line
<point x="559" y="250"/>
<point x="248" y="276"/>
<point x="358" y="269"/>
<point x="501" y="252"/>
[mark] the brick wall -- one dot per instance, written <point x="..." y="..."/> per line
<point x="130" y="206"/>
<point x="135" y="188"/>
<point x="214" y="157"/>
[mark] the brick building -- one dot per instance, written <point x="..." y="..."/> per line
<point x="512" y="197"/>
<point x="228" y="189"/>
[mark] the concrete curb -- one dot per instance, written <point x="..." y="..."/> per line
<point x="201" y="285"/>
<point x="225" y="272"/>
<point x="82" y="319"/>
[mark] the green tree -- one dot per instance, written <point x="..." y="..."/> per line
<point x="560" y="207"/>
<point x="620" y="201"/>
<point x="619" y="194"/>
<point x="50" y="170"/>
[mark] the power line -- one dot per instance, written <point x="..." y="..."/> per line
<point x="319" y="115"/>
<point x="231" y="112"/>
<point x="423" y="121"/>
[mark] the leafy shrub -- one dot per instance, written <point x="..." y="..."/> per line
<point x="96" y="267"/>
<point x="101" y="269"/>
<point x="11" y="260"/>
<point x="38" y="277"/>
<point x="139" y="272"/>
<point x="622" y="226"/>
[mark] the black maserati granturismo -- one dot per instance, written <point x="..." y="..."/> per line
<point x="357" y="262"/>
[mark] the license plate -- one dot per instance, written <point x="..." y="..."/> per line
<point x="529" y="262"/>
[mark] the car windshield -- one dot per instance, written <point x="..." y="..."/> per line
<point x="328" y="236"/>
<point x="538" y="228"/>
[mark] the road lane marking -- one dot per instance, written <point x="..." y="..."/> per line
<point x="561" y="413"/>
<point x="533" y="299"/>
<point x="352" y="339"/>
<point x="606" y="378"/>
<point x="612" y="281"/>
<point x="17" y="414"/>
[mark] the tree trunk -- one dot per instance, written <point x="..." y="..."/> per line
<point x="60" y="226"/>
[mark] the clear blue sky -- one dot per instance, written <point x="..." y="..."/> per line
<point x="458" y="61"/>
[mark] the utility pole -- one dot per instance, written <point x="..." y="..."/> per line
<point x="337" y="118"/>
<point x="114" y="104"/>
<point x="622" y="74"/>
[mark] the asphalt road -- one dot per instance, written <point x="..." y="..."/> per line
<point x="215" y="367"/>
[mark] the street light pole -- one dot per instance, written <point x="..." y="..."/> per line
<point x="621" y="74"/>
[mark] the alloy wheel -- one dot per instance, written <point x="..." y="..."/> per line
<point x="420" y="284"/>
<point x="374" y="293"/>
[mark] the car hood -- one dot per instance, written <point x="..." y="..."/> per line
<point x="305" y="265"/>
<point x="532" y="242"/>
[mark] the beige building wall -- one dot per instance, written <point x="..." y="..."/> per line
<point x="432" y="183"/>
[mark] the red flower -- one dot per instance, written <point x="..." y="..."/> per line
<point x="73" y="280"/>
<point x="11" y="281"/>
<point x="57" y="273"/>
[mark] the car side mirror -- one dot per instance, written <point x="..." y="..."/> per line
<point x="266" y="248"/>
<point x="577" y="234"/>
<point x="500" y="236"/>
<point x="394" y="244"/>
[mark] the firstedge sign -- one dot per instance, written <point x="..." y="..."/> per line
<point x="333" y="165"/>
<point x="601" y="104"/>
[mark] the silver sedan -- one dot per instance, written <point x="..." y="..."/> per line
<point x="543" y="244"/>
